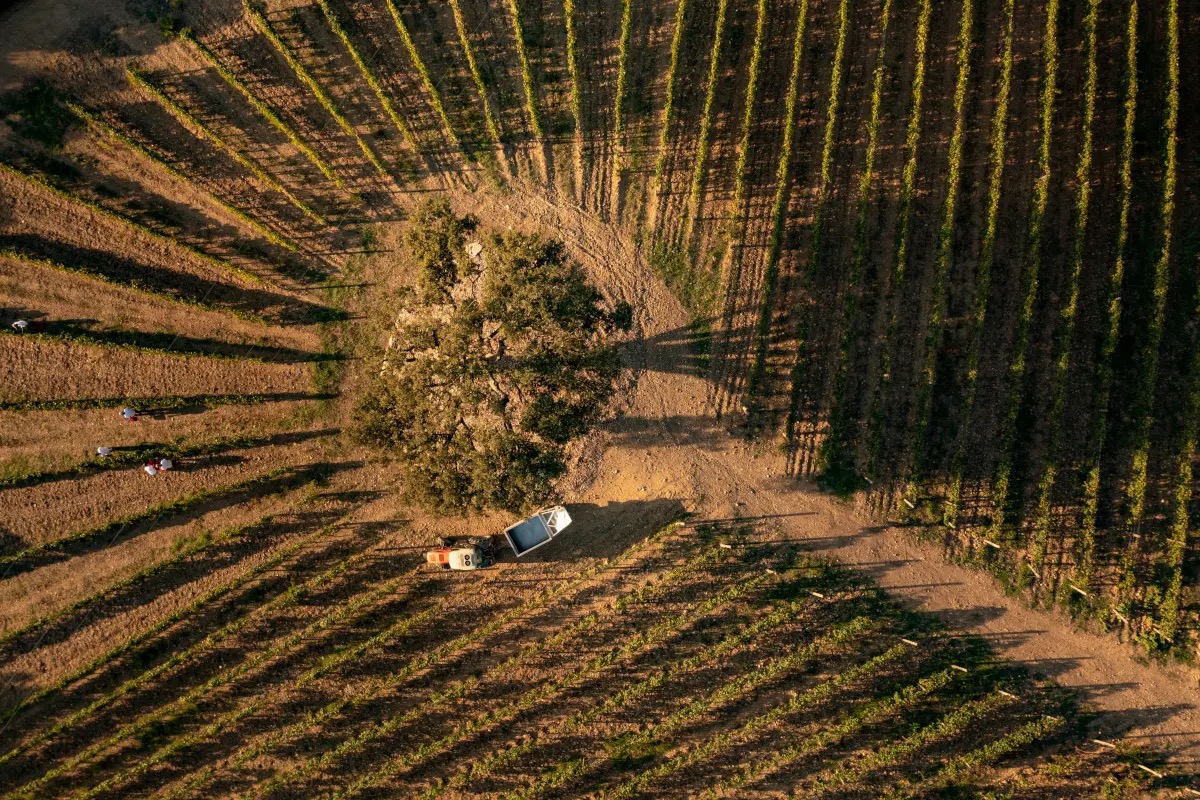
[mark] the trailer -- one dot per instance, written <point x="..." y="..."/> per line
<point x="533" y="532"/>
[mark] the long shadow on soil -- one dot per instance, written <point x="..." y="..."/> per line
<point x="134" y="455"/>
<point x="177" y="513"/>
<point x="242" y="600"/>
<point x="93" y="331"/>
<point x="607" y="531"/>
<point x="163" y="407"/>
<point x="189" y="288"/>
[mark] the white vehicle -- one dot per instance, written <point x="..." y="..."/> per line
<point x="532" y="533"/>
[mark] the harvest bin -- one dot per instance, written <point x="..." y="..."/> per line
<point x="532" y="533"/>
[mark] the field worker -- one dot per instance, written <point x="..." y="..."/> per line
<point x="104" y="452"/>
<point x="150" y="469"/>
<point x="165" y="464"/>
<point x="129" y="414"/>
<point x="20" y="326"/>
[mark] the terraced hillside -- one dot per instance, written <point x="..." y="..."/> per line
<point x="941" y="254"/>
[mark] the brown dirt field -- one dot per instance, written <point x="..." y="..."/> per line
<point x="36" y="594"/>
<point x="93" y="632"/>
<point x="38" y="224"/>
<point x="39" y="514"/>
<point x="40" y="368"/>
<point x="56" y="439"/>
<point x="66" y="296"/>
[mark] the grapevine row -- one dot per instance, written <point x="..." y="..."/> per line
<point x="779" y="204"/>
<point x="813" y="267"/>
<point x="572" y="768"/>
<point x="732" y="264"/>
<point x="255" y="12"/>
<point x="133" y="456"/>
<point x="912" y="138"/>
<point x="834" y="456"/>
<point x="81" y="270"/>
<point x="191" y="548"/>
<point x="375" y="685"/>
<point x="1102" y="390"/>
<point x="724" y="740"/>
<point x="202" y="131"/>
<point x="358" y="605"/>
<point x="854" y="771"/>
<point x="866" y="714"/>
<point x="128" y="645"/>
<point x="963" y="765"/>
<point x="743" y="686"/>
<point x="117" y="136"/>
<point x="166" y="403"/>
<point x="378" y="730"/>
<point x="1030" y="275"/>
<point x="1143" y="398"/>
<point x="368" y="74"/>
<point x="527" y="82"/>
<point x="1062" y="357"/>
<point x="28" y="558"/>
<point x="668" y="111"/>
<point x="656" y="634"/>
<point x="983" y="281"/>
<point x="933" y="334"/>
<point x="210" y="642"/>
<point x="576" y="87"/>
<point x="703" y="145"/>
<point x="464" y="41"/>
<point x="130" y="223"/>
<point x="435" y="97"/>
<point x="264" y="110"/>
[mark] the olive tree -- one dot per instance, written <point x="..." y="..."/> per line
<point x="492" y="367"/>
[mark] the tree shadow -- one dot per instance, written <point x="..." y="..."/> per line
<point x="607" y="531"/>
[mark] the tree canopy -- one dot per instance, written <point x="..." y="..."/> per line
<point x="494" y="364"/>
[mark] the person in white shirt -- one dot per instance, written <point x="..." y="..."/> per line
<point x="103" y="452"/>
<point x="150" y="469"/>
<point x="165" y="464"/>
<point x="20" y="326"/>
<point x="130" y="415"/>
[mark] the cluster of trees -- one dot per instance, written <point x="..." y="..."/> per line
<point x="497" y="361"/>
